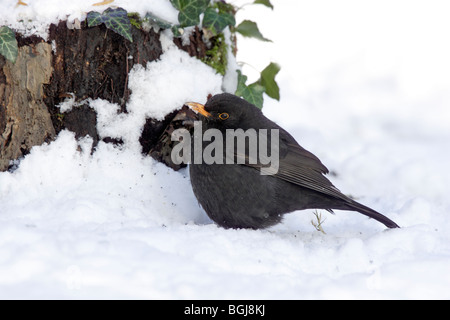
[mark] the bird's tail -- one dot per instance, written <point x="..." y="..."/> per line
<point x="353" y="205"/>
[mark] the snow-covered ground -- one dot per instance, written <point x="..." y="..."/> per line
<point x="364" y="85"/>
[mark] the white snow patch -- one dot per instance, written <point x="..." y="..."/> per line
<point x="36" y="17"/>
<point x="165" y="85"/>
<point x="369" y="98"/>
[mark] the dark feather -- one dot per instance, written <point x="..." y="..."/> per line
<point x="298" y="183"/>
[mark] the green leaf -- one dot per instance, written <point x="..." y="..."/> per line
<point x="177" y="31"/>
<point x="163" y="24"/>
<point x="241" y="86"/>
<point x="216" y="21"/>
<point x="118" y="21"/>
<point x="252" y="93"/>
<point x="94" y="18"/>
<point x="115" y="19"/>
<point x="249" y="29"/>
<point x="264" y="2"/>
<point x="268" y="80"/>
<point x="189" y="11"/>
<point x="8" y="44"/>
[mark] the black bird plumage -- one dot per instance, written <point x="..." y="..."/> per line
<point x="238" y="196"/>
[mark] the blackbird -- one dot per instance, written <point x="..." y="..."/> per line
<point x="237" y="195"/>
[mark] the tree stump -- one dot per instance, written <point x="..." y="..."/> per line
<point x="78" y="63"/>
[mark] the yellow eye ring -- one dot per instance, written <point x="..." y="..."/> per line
<point x="224" y="116"/>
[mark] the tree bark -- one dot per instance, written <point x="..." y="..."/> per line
<point x="24" y="118"/>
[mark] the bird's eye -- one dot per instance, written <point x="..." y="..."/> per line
<point x="224" y="116"/>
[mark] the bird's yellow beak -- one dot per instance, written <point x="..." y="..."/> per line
<point x="199" y="108"/>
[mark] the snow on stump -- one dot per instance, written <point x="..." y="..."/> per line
<point x="74" y="63"/>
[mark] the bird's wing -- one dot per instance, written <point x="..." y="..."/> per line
<point x="302" y="168"/>
<point x="299" y="166"/>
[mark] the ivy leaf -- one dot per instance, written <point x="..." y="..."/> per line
<point x="189" y="11"/>
<point x="250" y="29"/>
<point x="264" y="2"/>
<point x="8" y="44"/>
<point x="177" y="31"/>
<point x="118" y="21"/>
<point x="252" y="93"/>
<point x="163" y="24"/>
<point x="268" y="80"/>
<point x="94" y="18"/>
<point x="115" y="19"/>
<point x="216" y="21"/>
<point x="241" y="86"/>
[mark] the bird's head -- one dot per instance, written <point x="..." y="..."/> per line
<point x="226" y="111"/>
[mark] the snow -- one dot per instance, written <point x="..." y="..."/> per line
<point x="188" y="78"/>
<point x="364" y="86"/>
<point x="157" y="89"/>
<point x="37" y="15"/>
